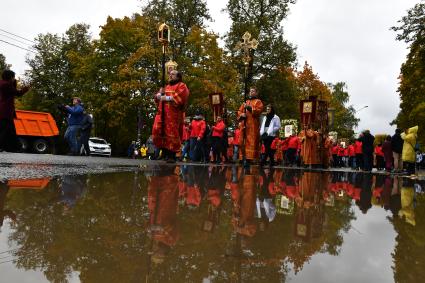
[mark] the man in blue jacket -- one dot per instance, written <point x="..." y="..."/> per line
<point x="75" y="118"/>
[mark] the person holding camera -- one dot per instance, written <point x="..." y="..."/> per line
<point x="75" y="119"/>
<point x="268" y="132"/>
<point x="8" y="92"/>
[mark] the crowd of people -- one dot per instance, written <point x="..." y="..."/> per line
<point x="257" y="139"/>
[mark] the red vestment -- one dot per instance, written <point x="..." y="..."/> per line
<point x="309" y="150"/>
<point x="244" y="206"/>
<point x="168" y="133"/>
<point x="163" y="192"/>
<point x="252" y="127"/>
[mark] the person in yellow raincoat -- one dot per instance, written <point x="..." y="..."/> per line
<point x="407" y="211"/>
<point x="408" y="155"/>
<point x="143" y="151"/>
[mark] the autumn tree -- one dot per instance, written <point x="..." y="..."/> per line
<point x="118" y="76"/>
<point x="309" y="84"/>
<point x="3" y="64"/>
<point x="280" y="88"/>
<point x="206" y="67"/>
<point x="344" y="117"/>
<point x="50" y="73"/>
<point x="263" y="19"/>
<point x="411" y="29"/>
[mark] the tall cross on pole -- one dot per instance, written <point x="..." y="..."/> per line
<point x="245" y="46"/>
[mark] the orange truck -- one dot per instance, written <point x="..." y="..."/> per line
<point x="36" y="131"/>
<point x="28" y="184"/>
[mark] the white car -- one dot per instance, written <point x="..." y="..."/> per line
<point x="99" y="146"/>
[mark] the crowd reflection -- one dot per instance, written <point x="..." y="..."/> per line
<point x="260" y="195"/>
<point x="197" y="223"/>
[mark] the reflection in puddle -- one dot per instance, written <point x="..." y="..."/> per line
<point x="212" y="224"/>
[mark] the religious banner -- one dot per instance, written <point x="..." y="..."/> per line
<point x="288" y="130"/>
<point x="217" y="104"/>
<point x="314" y="113"/>
<point x="308" y="111"/>
<point x="288" y="122"/>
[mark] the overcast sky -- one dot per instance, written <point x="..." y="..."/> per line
<point x="343" y="40"/>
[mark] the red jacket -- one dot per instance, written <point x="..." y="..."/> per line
<point x="275" y="143"/>
<point x="335" y="150"/>
<point x="358" y="147"/>
<point x="236" y="137"/>
<point x="351" y="150"/>
<point x="378" y="151"/>
<point x="218" y="129"/>
<point x="197" y="128"/>
<point x="186" y="132"/>
<point x="284" y="144"/>
<point x="293" y="142"/>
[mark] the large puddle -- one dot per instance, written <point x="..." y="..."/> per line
<point x="213" y="224"/>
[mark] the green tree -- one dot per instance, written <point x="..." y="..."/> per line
<point x="205" y="65"/>
<point x="181" y="16"/>
<point x="118" y="75"/>
<point x="3" y="64"/>
<point x="411" y="29"/>
<point x="50" y="72"/>
<point x="280" y="88"/>
<point x="263" y="19"/>
<point x="344" y="116"/>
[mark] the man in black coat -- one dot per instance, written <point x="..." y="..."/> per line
<point x="367" y="140"/>
<point x="397" y="148"/>
<point x="8" y="92"/>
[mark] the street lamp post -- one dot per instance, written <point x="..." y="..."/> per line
<point x="361" y="108"/>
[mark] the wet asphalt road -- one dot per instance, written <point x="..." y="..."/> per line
<point x="26" y="166"/>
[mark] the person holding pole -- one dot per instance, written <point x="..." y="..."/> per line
<point x="249" y="112"/>
<point x="169" y="119"/>
<point x="171" y="100"/>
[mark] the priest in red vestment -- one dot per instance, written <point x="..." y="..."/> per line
<point x="250" y="112"/>
<point x="167" y="129"/>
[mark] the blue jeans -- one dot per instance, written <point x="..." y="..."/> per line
<point x="195" y="149"/>
<point x="235" y="152"/>
<point x="71" y="137"/>
<point x="186" y="147"/>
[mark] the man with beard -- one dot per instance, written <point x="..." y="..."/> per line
<point x="249" y="113"/>
<point x="168" y="123"/>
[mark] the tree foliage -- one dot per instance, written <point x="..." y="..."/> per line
<point x="117" y="74"/>
<point x="3" y="64"/>
<point x="412" y="78"/>
<point x="263" y="19"/>
<point x="344" y="115"/>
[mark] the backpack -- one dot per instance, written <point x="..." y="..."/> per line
<point x="417" y="147"/>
